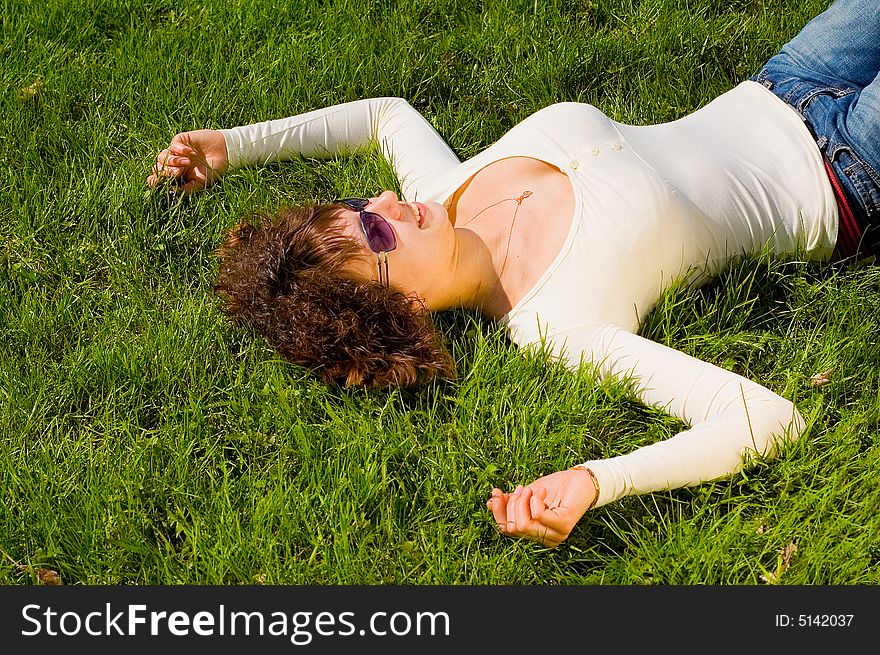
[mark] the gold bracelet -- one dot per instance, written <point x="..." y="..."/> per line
<point x="579" y="467"/>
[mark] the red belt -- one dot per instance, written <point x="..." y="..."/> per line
<point x="849" y="234"/>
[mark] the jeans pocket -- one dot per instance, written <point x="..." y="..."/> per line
<point x="861" y="177"/>
<point x="834" y="91"/>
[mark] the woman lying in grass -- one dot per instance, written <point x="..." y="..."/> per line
<point x="566" y="230"/>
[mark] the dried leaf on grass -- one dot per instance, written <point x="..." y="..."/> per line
<point x="787" y="553"/>
<point x="45" y="576"/>
<point x="28" y="93"/>
<point x="48" y="576"/>
<point x="783" y="562"/>
<point x="821" y="379"/>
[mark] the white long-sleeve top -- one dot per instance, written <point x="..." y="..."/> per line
<point x="653" y="204"/>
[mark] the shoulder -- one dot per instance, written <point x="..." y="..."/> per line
<point x="568" y="109"/>
<point x="566" y="118"/>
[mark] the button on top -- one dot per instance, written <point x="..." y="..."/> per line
<point x="616" y="146"/>
<point x="594" y="152"/>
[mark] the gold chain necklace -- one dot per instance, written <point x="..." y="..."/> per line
<point x="519" y="200"/>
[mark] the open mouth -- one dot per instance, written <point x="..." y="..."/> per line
<point x="419" y="210"/>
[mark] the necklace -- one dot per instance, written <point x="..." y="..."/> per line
<point x="518" y="200"/>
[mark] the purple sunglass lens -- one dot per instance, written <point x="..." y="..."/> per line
<point x="379" y="234"/>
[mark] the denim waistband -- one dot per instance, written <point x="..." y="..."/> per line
<point x="822" y="106"/>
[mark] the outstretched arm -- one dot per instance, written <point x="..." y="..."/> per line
<point x="413" y="147"/>
<point x="730" y="416"/>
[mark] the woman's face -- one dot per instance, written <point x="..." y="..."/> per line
<point x="424" y="259"/>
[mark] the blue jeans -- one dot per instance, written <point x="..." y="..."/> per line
<point x="830" y="74"/>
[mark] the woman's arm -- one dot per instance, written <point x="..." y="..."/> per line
<point x="730" y="416"/>
<point x="414" y="148"/>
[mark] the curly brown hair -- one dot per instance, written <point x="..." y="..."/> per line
<point x="284" y="276"/>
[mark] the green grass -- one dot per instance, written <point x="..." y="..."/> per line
<point x="147" y="441"/>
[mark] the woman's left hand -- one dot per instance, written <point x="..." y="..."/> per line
<point x="546" y="510"/>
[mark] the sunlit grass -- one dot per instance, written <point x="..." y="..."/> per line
<point x="147" y="441"/>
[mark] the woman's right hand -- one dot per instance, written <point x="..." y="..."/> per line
<point x="546" y="510"/>
<point x="194" y="159"/>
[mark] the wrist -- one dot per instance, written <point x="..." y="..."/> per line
<point x="221" y="164"/>
<point x="594" y="480"/>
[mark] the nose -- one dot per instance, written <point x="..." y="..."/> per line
<point x="386" y="204"/>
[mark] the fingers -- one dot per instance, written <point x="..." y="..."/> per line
<point x="181" y="145"/>
<point x="168" y="171"/>
<point x="531" y="516"/>
<point x="194" y="159"/>
<point x="537" y="506"/>
<point x="504" y="511"/>
<point x="155" y="179"/>
<point x="168" y="157"/>
<point x="556" y="518"/>
<point x="520" y="515"/>
<point x="510" y="526"/>
<point x="173" y="160"/>
<point x="497" y="504"/>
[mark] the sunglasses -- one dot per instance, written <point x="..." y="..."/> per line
<point x="380" y="235"/>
